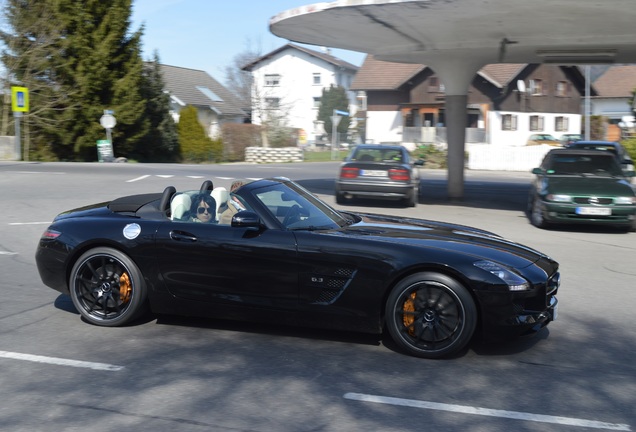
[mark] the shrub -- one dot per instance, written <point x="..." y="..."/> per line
<point x="630" y="147"/>
<point x="237" y="137"/>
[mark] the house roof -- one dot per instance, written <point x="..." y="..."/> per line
<point x="617" y="81"/>
<point x="321" y="55"/>
<point x="380" y="75"/>
<point x="197" y="88"/>
<point x="375" y="74"/>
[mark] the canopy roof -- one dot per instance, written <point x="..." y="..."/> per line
<point x="478" y="32"/>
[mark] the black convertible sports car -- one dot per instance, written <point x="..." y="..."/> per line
<point x="285" y="256"/>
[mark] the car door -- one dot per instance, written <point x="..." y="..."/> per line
<point x="231" y="266"/>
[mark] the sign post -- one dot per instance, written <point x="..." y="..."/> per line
<point x="19" y="105"/>
<point x="105" y="147"/>
<point x="335" y="120"/>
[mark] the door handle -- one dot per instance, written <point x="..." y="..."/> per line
<point x="182" y="236"/>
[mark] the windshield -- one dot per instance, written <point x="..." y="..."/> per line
<point x="601" y="164"/>
<point x="297" y="209"/>
<point x="369" y="154"/>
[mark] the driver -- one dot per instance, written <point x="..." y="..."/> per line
<point x="203" y="208"/>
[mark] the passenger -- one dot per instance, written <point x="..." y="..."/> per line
<point x="234" y="205"/>
<point x="203" y="208"/>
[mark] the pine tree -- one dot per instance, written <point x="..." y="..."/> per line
<point x="161" y="143"/>
<point x="89" y="63"/>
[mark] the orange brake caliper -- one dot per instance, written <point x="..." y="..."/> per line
<point x="409" y="319"/>
<point x="125" y="288"/>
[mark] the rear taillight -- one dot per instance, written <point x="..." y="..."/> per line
<point x="399" y="174"/>
<point x="348" y="172"/>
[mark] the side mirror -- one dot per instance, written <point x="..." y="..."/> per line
<point x="246" y="219"/>
<point x="419" y="162"/>
<point x="537" y="171"/>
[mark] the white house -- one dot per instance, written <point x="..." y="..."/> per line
<point x="614" y="91"/>
<point x="290" y="80"/>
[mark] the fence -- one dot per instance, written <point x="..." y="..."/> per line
<point x="505" y="158"/>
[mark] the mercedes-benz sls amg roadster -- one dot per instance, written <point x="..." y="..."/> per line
<point x="270" y="251"/>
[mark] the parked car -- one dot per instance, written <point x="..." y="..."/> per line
<point x="379" y="171"/>
<point x="619" y="152"/>
<point x="568" y="139"/>
<point x="539" y="139"/>
<point x="290" y="258"/>
<point x="575" y="186"/>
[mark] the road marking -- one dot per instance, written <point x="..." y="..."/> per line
<point x="8" y="253"/>
<point x="60" y="361"/>
<point x="29" y="223"/>
<point x="137" y="179"/>
<point x="165" y="176"/>
<point x="40" y="172"/>
<point x="487" y="412"/>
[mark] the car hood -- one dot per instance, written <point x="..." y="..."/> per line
<point x="589" y="185"/>
<point x="461" y="239"/>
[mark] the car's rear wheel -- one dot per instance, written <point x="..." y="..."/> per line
<point x="413" y="198"/>
<point x="107" y="287"/>
<point x="430" y="315"/>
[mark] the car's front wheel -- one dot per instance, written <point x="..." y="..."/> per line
<point x="107" y="287"/>
<point x="430" y="315"/>
<point x="536" y="214"/>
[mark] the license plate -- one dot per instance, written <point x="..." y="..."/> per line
<point x="373" y="173"/>
<point x="593" y="211"/>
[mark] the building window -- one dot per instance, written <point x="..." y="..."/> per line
<point x="435" y="86"/>
<point x="317" y="80"/>
<point x="561" y="124"/>
<point x="272" y="80"/>
<point x="272" y="103"/>
<point x="536" y="87"/>
<point x="562" y="88"/>
<point x="509" y="122"/>
<point x="536" y="123"/>
<point x="316" y="102"/>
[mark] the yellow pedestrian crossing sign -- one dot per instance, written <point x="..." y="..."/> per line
<point x="20" y="99"/>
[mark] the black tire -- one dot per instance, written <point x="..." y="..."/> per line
<point x="340" y="199"/>
<point x="536" y="214"/>
<point x="430" y="315"/>
<point x="413" y="198"/>
<point x="107" y="287"/>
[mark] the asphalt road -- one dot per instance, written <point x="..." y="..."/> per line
<point x="58" y="373"/>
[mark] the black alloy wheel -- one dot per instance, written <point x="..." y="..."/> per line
<point x="107" y="287"/>
<point x="431" y="315"/>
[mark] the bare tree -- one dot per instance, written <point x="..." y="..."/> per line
<point x="238" y="80"/>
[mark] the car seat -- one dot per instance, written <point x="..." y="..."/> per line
<point x="221" y="196"/>
<point x="180" y="206"/>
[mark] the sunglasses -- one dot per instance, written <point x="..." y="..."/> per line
<point x="202" y="210"/>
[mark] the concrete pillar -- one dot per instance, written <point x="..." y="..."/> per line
<point x="456" y="73"/>
<point x="456" y="136"/>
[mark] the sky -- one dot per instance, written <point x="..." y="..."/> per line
<point x="207" y="34"/>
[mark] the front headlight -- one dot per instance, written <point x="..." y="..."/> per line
<point x="625" y="200"/>
<point x="559" y="198"/>
<point x="513" y="280"/>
